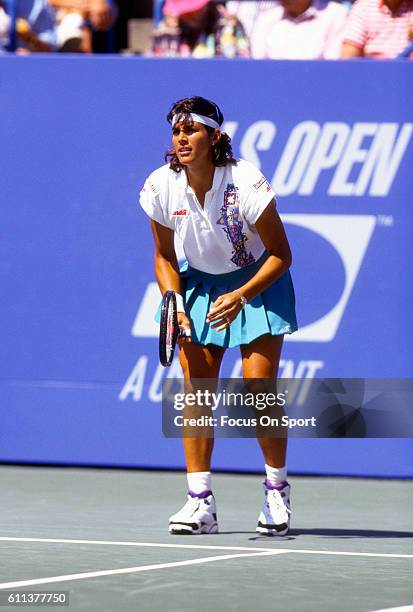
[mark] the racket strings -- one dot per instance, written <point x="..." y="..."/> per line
<point x="170" y="330"/>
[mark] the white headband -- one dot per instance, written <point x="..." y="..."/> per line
<point x="195" y="117"/>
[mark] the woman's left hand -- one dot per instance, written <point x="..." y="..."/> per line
<point x="224" y="310"/>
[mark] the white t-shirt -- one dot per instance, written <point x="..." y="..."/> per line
<point x="315" y="34"/>
<point x="221" y="237"/>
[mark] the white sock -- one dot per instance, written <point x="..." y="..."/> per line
<point x="276" y="475"/>
<point x="198" y="482"/>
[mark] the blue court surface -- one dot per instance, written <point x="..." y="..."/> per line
<point x="101" y="535"/>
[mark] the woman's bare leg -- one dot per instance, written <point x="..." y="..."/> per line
<point x="260" y="359"/>
<point x="199" y="362"/>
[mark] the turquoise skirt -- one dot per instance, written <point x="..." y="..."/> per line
<point x="270" y="312"/>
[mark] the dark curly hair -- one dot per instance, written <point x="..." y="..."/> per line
<point x="221" y="151"/>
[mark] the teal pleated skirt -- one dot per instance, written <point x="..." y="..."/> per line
<point x="270" y="312"/>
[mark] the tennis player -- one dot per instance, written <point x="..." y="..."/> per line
<point x="236" y="290"/>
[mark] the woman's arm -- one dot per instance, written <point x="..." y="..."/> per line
<point x="271" y="232"/>
<point x="349" y="50"/>
<point x="82" y="6"/>
<point x="166" y="263"/>
<point x="167" y="269"/>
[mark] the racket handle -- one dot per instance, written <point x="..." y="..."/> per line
<point x="184" y="332"/>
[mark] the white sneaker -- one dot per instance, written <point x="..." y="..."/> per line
<point x="199" y="515"/>
<point x="275" y="514"/>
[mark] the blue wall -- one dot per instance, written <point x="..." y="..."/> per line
<point x="79" y="380"/>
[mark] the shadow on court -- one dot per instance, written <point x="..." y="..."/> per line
<point x="329" y="533"/>
<point x="351" y="533"/>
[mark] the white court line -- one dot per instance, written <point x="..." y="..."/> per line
<point x="149" y="544"/>
<point x="130" y="570"/>
<point x="346" y="553"/>
<point x="207" y="547"/>
<point x="401" y="609"/>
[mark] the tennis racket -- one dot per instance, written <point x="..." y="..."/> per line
<point x="169" y="328"/>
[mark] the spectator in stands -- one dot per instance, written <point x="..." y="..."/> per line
<point x="199" y="28"/>
<point x="300" y="29"/>
<point x="248" y="12"/>
<point x="34" y="29"/>
<point x="77" y="19"/>
<point x="378" y="28"/>
<point x="4" y="23"/>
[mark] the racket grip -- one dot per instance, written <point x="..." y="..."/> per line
<point x="184" y="332"/>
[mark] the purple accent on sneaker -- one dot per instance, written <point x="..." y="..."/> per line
<point x="202" y="495"/>
<point x="278" y="486"/>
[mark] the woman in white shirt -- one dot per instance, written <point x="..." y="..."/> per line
<point x="235" y="291"/>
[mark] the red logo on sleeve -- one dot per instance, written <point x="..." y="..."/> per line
<point x="263" y="181"/>
<point x="151" y="186"/>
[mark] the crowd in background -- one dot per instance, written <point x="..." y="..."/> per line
<point x="28" y="26"/>
<point x="260" y="29"/>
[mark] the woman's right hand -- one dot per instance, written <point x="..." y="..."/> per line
<point x="185" y="324"/>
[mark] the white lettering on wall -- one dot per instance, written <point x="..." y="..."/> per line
<point x="327" y="153"/>
<point x="258" y="137"/>
<point x="295" y="157"/>
<point x="361" y="159"/>
<point x="134" y="384"/>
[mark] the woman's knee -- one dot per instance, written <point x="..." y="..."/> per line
<point x="199" y="361"/>
<point x="260" y="359"/>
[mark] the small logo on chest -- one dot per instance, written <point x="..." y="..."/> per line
<point x="181" y="212"/>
